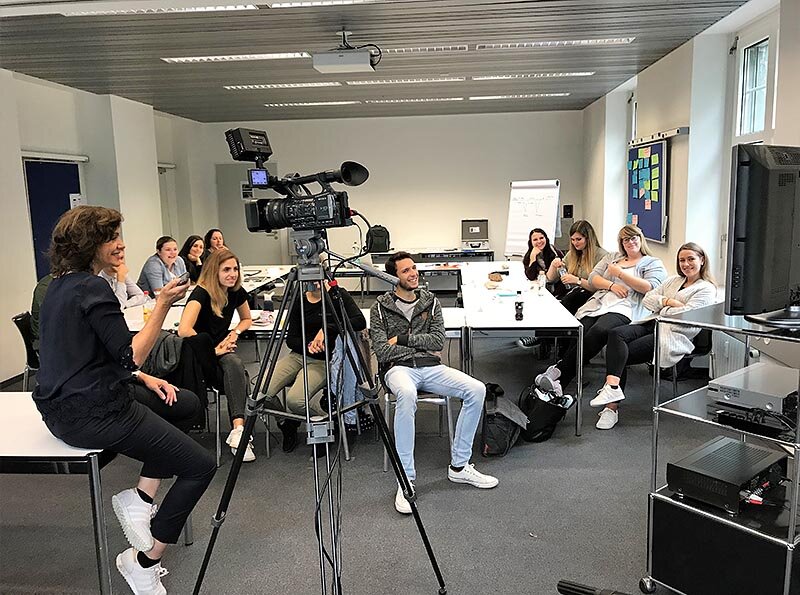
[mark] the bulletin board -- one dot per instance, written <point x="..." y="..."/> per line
<point x="647" y="189"/>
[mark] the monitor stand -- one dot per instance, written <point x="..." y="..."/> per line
<point x="789" y="317"/>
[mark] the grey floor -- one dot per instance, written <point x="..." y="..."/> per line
<point x="573" y="507"/>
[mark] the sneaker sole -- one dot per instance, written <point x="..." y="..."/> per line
<point x="133" y="538"/>
<point x="477" y="485"/>
<point x="604" y="428"/>
<point x="125" y="575"/>
<point x="403" y="512"/>
<point x="595" y="403"/>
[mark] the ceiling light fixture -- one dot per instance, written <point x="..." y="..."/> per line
<point x="431" y="49"/>
<point x="415" y="100"/>
<point x="237" y="58"/>
<point x="281" y="86"/>
<point x="520" y="96"/>
<point x="310" y="103"/>
<point x="518" y="45"/>
<point x="530" y="75"/>
<point x="451" y="79"/>
<point x="316" y="3"/>
<point x="159" y="10"/>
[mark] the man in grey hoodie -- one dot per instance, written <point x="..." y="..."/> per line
<point x="407" y="334"/>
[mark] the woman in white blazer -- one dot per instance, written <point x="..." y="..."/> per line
<point x="691" y="288"/>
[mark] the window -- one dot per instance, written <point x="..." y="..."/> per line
<point x="753" y="100"/>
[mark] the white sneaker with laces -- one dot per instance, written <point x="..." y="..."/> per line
<point x="134" y="516"/>
<point x="142" y="581"/>
<point x="608" y="419"/>
<point x="469" y="475"/>
<point x="526" y="342"/>
<point x="607" y="395"/>
<point x="402" y="505"/>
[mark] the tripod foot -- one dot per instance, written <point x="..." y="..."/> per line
<point x="443" y="591"/>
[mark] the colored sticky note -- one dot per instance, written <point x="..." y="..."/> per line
<point x="654" y="184"/>
<point x="630" y="218"/>
<point x="647" y="184"/>
<point x="641" y="192"/>
<point x="647" y="162"/>
<point x="634" y="192"/>
<point x="654" y="172"/>
<point x="644" y="152"/>
<point x="644" y="174"/>
<point x="654" y="159"/>
<point x="641" y="153"/>
<point x="648" y="205"/>
<point x="635" y="219"/>
<point x="630" y="164"/>
<point x="654" y="195"/>
<point x="635" y="164"/>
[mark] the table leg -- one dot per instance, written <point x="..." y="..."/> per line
<point x="466" y="349"/>
<point x="99" y="520"/>
<point x="579" y="391"/>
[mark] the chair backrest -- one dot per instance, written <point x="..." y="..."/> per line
<point x="702" y="342"/>
<point x="23" y="324"/>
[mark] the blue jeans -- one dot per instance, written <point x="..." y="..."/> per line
<point x="442" y="380"/>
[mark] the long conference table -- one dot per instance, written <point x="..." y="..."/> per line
<point x="489" y="311"/>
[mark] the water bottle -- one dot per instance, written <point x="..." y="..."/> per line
<point x="542" y="280"/>
<point x="147" y="307"/>
<point x="561" y="272"/>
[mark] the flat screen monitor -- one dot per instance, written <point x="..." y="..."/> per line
<point x="763" y="276"/>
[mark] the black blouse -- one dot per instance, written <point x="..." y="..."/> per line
<point x="313" y="317"/>
<point x="208" y="322"/>
<point x="85" y="353"/>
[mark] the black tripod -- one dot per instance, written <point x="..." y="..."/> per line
<point x="309" y="245"/>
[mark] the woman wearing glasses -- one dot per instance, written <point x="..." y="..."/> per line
<point x="621" y="280"/>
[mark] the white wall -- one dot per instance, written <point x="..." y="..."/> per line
<point x="787" y="122"/>
<point x="594" y="159"/>
<point x="428" y="173"/>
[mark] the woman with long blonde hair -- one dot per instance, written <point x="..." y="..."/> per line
<point x="210" y="311"/>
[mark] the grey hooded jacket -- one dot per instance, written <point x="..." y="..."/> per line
<point x="418" y="341"/>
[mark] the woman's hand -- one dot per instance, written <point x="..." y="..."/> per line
<point x="557" y="263"/>
<point x="619" y="290"/>
<point x="122" y="272"/>
<point x="673" y="303"/>
<point x="165" y="391"/>
<point x="172" y="292"/>
<point x="317" y="344"/>
<point x="225" y="347"/>
<point x="614" y="270"/>
<point x="232" y="337"/>
<point x="571" y="279"/>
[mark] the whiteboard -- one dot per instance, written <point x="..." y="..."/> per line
<point x="532" y="203"/>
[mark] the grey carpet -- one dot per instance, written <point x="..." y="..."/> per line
<point x="573" y="507"/>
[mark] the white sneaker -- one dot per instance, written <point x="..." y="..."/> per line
<point x="607" y="395"/>
<point x="469" y="475"/>
<point x="550" y="386"/>
<point x="608" y="419"/>
<point x="249" y="453"/>
<point x="526" y="342"/>
<point x="402" y="505"/>
<point x="552" y="373"/>
<point x="142" y="581"/>
<point x="134" y="516"/>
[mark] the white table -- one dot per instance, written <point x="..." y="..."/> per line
<point x="254" y="277"/>
<point x="134" y="318"/>
<point x="26" y="446"/>
<point x="492" y="312"/>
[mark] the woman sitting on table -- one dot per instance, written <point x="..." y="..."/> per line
<point x="192" y="255"/>
<point x="91" y="395"/>
<point x="161" y="267"/>
<point x="289" y="370"/>
<point x="128" y="293"/>
<point x="209" y="311"/>
<point x="621" y="280"/>
<point x="584" y="253"/>
<point x="631" y="344"/>
<point x="538" y="259"/>
<point x="213" y="241"/>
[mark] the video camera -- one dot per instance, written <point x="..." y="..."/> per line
<point x="304" y="210"/>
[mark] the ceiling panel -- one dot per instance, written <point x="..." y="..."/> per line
<point x="122" y="54"/>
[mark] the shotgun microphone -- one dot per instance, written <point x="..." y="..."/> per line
<point x="570" y="588"/>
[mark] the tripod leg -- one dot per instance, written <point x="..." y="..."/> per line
<point x="402" y="479"/>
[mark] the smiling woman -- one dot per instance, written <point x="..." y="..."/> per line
<point x="161" y="267"/>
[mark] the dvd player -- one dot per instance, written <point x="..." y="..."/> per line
<point x="758" y="386"/>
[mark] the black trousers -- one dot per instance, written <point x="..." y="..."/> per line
<point x="574" y="299"/>
<point x="164" y="451"/>
<point x="180" y="414"/>
<point x="629" y="345"/>
<point x="595" y="335"/>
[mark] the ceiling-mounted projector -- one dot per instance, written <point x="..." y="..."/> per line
<point x="343" y="60"/>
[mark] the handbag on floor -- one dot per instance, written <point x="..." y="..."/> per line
<point x="502" y="423"/>
<point x="543" y="415"/>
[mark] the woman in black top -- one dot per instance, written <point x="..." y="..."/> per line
<point x="192" y="255"/>
<point x="538" y="259"/>
<point x="89" y="389"/>
<point x="289" y="370"/>
<point x="209" y="312"/>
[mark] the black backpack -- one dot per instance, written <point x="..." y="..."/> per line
<point x="378" y="239"/>
<point x="502" y="423"/>
<point x="543" y="416"/>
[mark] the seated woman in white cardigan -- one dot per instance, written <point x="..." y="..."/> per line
<point x="631" y="344"/>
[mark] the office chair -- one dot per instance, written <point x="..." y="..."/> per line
<point x="23" y="324"/>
